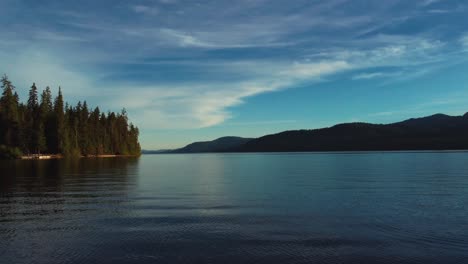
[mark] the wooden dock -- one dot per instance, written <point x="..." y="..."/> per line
<point x="58" y="156"/>
<point x="40" y="157"/>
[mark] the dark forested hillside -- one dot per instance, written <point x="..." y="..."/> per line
<point x="437" y="132"/>
<point x="44" y="124"/>
<point x="217" y="145"/>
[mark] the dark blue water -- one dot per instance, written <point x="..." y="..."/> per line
<point x="237" y="208"/>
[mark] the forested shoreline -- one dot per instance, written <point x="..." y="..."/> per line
<point x="47" y="125"/>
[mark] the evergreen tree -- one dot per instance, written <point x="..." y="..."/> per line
<point x="95" y="132"/>
<point x="33" y="101"/>
<point x="83" y="116"/>
<point x="33" y="126"/>
<point x="75" y="123"/>
<point x="9" y="128"/>
<point x="24" y="135"/>
<point x="9" y="100"/>
<point x="46" y="122"/>
<point x="61" y="139"/>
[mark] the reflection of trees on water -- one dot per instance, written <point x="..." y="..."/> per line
<point x="56" y="175"/>
<point x="56" y="195"/>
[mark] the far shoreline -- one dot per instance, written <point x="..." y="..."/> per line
<point x="317" y="152"/>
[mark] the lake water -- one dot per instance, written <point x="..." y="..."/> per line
<point x="237" y="208"/>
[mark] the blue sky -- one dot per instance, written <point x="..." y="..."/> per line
<point x="198" y="70"/>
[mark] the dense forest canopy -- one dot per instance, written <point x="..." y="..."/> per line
<point x="47" y="125"/>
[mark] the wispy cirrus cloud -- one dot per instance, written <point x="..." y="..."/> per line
<point x="168" y="1"/>
<point x="464" y="41"/>
<point x="204" y="40"/>
<point x="144" y="9"/>
<point x="368" y="76"/>
<point x="184" y="40"/>
<point x="198" y="105"/>
<point x="430" y="2"/>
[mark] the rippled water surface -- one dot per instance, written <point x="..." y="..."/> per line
<point x="237" y="208"/>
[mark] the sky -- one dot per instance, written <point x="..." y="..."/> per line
<point x="197" y="70"/>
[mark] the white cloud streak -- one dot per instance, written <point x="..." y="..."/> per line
<point x="204" y="105"/>
<point x="430" y="2"/>
<point x="464" y="41"/>
<point x="147" y="10"/>
<point x="368" y="76"/>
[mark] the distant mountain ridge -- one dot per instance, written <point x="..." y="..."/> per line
<point x="436" y="132"/>
<point x="218" y="145"/>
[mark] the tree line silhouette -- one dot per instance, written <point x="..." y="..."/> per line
<point x="47" y="125"/>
